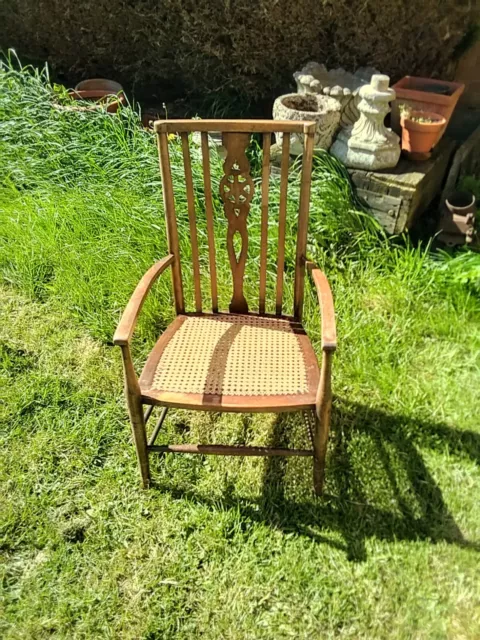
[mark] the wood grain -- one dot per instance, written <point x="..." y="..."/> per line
<point x="325" y="300"/>
<point x="171" y="221"/>
<point x="229" y="450"/>
<point x="236" y="192"/>
<point x="207" y="185"/>
<point x="135" y="410"/>
<point x="282" y="218"/>
<point x="303" y="214"/>
<point x="323" y="408"/>
<point x="128" y="321"/>
<point x="264" y="220"/>
<point x="234" y="126"/>
<point x="192" y="221"/>
<point x="158" y="426"/>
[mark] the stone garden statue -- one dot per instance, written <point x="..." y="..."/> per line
<point x="368" y="143"/>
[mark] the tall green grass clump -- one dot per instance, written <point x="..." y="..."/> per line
<point x="82" y="213"/>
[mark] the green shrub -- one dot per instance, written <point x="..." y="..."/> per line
<point x="246" y="48"/>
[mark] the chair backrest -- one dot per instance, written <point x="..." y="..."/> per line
<point x="236" y="192"/>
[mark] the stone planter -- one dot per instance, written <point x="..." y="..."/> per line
<point x="336" y="83"/>
<point x="322" y="110"/>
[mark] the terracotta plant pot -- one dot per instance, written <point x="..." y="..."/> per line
<point x="461" y="203"/>
<point x="100" y="90"/>
<point x="425" y="94"/>
<point x="419" y="137"/>
<point x="457" y="223"/>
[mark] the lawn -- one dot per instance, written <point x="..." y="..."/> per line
<point x="221" y="547"/>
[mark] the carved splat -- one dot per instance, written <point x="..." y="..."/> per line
<point x="236" y="191"/>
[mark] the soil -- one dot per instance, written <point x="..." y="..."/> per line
<point x="302" y="103"/>
<point x="435" y="88"/>
<point x="422" y="120"/>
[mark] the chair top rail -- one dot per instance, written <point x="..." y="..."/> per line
<point x="234" y="126"/>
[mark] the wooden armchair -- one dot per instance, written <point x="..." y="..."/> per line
<point x="240" y="361"/>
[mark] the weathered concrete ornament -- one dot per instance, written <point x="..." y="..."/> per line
<point x="336" y="83"/>
<point x="369" y="144"/>
<point x="322" y="110"/>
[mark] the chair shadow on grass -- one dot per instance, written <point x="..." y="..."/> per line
<point x="412" y="505"/>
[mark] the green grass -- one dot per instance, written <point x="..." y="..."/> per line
<point x="220" y="547"/>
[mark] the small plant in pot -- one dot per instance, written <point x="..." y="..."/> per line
<point x="420" y="131"/>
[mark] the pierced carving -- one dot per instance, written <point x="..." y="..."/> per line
<point x="236" y="191"/>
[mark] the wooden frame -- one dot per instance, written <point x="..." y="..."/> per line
<point x="235" y="126"/>
<point x="314" y="395"/>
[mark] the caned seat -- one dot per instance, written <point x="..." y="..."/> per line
<point x="222" y="361"/>
<point x="240" y="361"/>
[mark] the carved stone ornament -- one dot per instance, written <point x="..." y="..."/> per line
<point x="369" y="144"/>
<point x="336" y="83"/>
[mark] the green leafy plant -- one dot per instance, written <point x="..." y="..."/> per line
<point x="472" y="185"/>
<point x="406" y="112"/>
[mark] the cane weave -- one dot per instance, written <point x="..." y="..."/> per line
<point x="234" y="355"/>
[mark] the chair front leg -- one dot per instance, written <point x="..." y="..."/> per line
<point x="323" y="407"/>
<point x="135" y="410"/>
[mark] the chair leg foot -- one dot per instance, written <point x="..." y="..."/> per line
<point x="320" y="440"/>
<point x="144" y="466"/>
<point x="140" y="439"/>
<point x="146" y="482"/>
<point x="318" y="475"/>
<point x="143" y="463"/>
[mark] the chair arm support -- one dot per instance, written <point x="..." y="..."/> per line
<point x="129" y="318"/>
<point x="325" y="300"/>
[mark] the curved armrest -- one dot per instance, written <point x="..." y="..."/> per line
<point x="128" y="321"/>
<point x="325" y="299"/>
